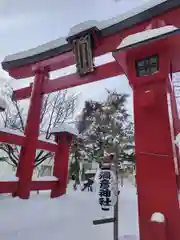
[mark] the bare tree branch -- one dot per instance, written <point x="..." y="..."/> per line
<point x="57" y="108"/>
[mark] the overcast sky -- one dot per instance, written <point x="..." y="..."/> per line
<point x="25" y="24"/>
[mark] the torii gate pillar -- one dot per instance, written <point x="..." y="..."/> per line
<point x="147" y="59"/>
<point x="64" y="135"/>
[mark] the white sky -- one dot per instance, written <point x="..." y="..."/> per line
<point x="25" y="24"/>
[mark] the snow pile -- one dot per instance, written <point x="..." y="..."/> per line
<point x="5" y="178"/>
<point x="42" y="138"/>
<point x="157" y="217"/>
<point x="112" y="21"/>
<point x="68" y="217"/>
<point x="145" y="35"/>
<point x="134" y="11"/>
<point x="65" y="127"/>
<point x="45" y="178"/>
<point x="129" y="237"/>
<point x="81" y="27"/>
<point x="11" y="131"/>
<point x="37" y="50"/>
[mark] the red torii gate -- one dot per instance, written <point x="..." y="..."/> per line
<point x="86" y="45"/>
<point x="57" y="183"/>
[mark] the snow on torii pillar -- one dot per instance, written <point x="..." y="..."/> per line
<point x="63" y="137"/>
<point x="148" y="58"/>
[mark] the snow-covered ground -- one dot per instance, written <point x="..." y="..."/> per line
<point x="69" y="217"/>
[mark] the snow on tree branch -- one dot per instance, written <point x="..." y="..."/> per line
<point x="105" y="128"/>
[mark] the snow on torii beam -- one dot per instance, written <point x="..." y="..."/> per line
<point x="13" y="137"/>
<point x="58" y="54"/>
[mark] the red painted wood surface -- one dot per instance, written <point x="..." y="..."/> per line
<point x="61" y="165"/>
<point x="11" y="187"/>
<point x="12" y="138"/>
<point x="158" y="231"/>
<point x="102" y="72"/>
<point x="43" y="185"/>
<point x="8" y="187"/>
<point x="28" y="151"/>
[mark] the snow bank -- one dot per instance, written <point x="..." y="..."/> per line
<point x="145" y="35"/>
<point x="68" y="217"/>
<point x="11" y="131"/>
<point x="8" y="178"/>
<point x="129" y="237"/>
<point x="45" y="178"/>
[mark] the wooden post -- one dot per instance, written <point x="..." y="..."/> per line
<point x="116" y="206"/>
<point x="28" y="151"/>
<point x="115" y="219"/>
<point x="61" y="164"/>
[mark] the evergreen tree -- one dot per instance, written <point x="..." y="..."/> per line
<point x="81" y="152"/>
<point x="106" y="127"/>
